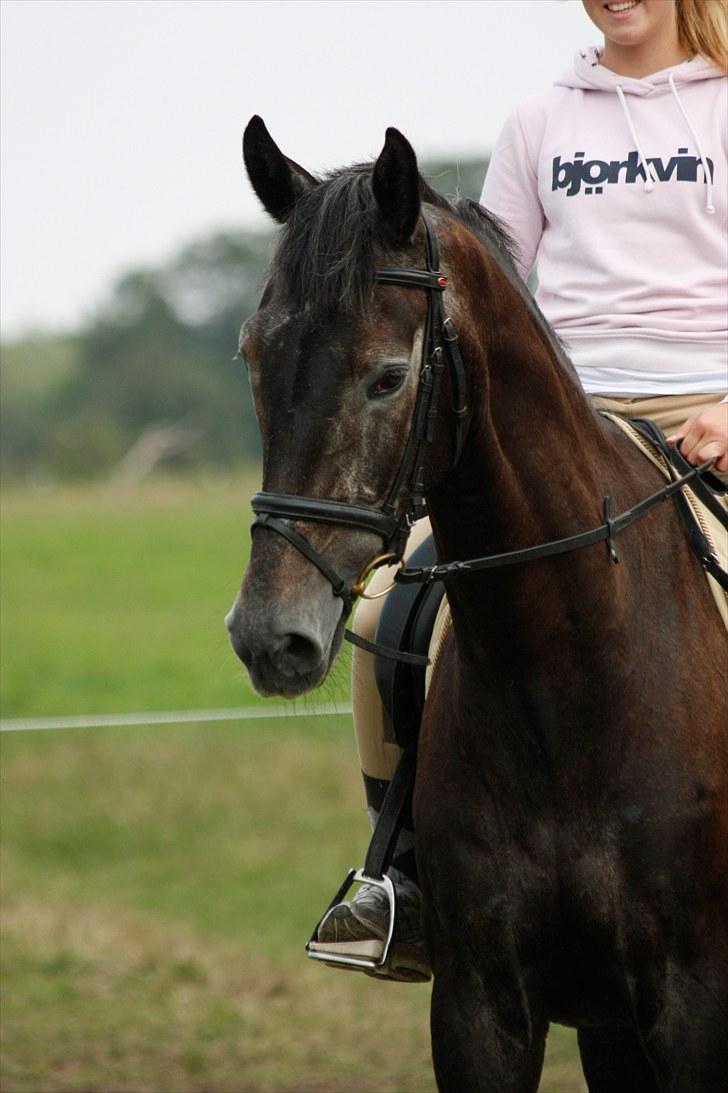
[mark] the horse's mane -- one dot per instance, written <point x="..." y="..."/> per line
<point x="325" y="254"/>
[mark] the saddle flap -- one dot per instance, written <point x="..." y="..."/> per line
<point x="405" y="624"/>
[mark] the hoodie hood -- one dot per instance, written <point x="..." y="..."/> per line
<point x="588" y="74"/>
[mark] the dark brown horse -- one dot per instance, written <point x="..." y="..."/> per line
<point x="571" y="805"/>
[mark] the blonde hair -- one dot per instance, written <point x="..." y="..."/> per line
<point x="702" y="27"/>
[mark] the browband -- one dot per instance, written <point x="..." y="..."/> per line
<point x="418" y="278"/>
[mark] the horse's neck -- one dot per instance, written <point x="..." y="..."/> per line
<point x="535" y="448"/>
<point x="537" y="462"/>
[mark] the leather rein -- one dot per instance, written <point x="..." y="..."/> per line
<point x="393" y="524"/>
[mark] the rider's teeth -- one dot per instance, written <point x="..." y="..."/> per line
<point x="622" y="7"/>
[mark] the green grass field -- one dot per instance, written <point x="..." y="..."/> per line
<point x="158" y="884"/>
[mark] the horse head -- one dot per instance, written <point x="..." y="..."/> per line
<point x="334" y="361"/>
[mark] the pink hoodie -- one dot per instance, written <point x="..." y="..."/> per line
<point x="617" y="189"/>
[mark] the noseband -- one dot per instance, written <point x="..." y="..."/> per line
<point x="390" y="522"/>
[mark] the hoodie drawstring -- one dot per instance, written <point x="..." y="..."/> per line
<point x="649" y="175"/>
<point x="709" y="207"/>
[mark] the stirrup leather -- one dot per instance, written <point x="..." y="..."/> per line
<point x="378" y="859"/>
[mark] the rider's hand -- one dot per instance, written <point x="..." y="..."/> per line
<point x="705" y="436"/>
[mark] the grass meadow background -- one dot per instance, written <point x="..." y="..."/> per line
<point x="159" y="883"/>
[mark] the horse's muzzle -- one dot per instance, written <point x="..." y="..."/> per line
<point x="282" y="661"/>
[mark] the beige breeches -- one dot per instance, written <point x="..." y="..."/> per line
<point x="378" y="751"/>
<point x="667" y="411"/>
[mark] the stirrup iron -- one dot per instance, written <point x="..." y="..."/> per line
<point x="359" y="955"/>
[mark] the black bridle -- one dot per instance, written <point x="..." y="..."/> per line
<point x="392" y="520"/>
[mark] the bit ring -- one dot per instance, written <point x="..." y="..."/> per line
<point x="358" y="587"/>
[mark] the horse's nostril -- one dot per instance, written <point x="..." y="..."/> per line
<point x="273" y="654"/>
<point x="299" y="653"/>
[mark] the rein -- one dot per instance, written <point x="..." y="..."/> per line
<point x="606" y="531"/>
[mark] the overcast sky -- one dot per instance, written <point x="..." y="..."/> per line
<point x="121" y="119"/>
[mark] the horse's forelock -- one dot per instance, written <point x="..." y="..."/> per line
<point x="326" y="253"/>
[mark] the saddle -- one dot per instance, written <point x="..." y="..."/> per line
<point x="415" y="618"/>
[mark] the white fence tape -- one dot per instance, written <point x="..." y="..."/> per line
<point x="169" y="717"/>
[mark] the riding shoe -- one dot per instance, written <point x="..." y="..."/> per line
<point x="365" y="918"/>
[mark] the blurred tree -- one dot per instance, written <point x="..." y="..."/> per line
<point x="160" y="351"/>
<point x="32" y="373"/>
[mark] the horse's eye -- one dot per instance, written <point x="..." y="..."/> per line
<point x="387" y="382"/>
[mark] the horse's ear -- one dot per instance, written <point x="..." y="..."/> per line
<point x="277" y="180"/>
<point x="396" y="185"/>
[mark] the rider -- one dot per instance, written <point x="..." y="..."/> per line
<point x="614" y="184"/>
